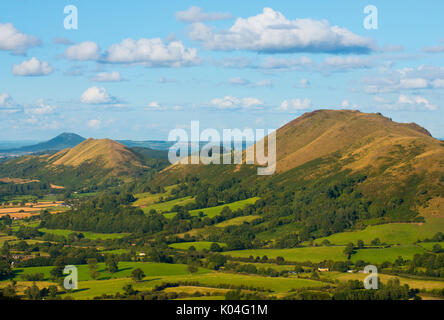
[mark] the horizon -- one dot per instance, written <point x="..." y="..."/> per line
<point x="137" y="72"/>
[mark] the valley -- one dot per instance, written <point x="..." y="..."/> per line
<point x="351" y="189"/>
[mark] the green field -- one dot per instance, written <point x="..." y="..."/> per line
<point x="199" y="245"/>
<point x="429" y="245"/>
<point x="214" y="211"/>
<point x="236" y="221"/>
<point x="392" y="233"/>
<point x="168" y="205"/>
<point x="387" y="254"/>
<point x="313" y="254"/>
<point x="87" y="234"/>
<point x="148" y="198"/>
<point x="150" y="269"/>
<point x="89" y="289"/>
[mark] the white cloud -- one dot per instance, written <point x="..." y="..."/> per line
<point x="15" y="41"/>
<point x="8" y="105"/>
<point x="155" y="105"/>
<point x="294" y="105"/>
<point x="32" y="67"/>
<point x="239" y="81"/>
<point x="252" y="102"/>
<point x="95" y="124"/>
<point x="41" y="109"/>
<point x="84" y="51"/>
<point x="96" y="95"/>
<point x="227" y="102"/>
<point x="417" y="83"/>
<point x="107" y="77"/>
<point x="345" y="104"/>
<point x="416" y="103"/>
<point x="230" y="102"/>
<point x="196" y="14"/>
<point x="272" y="32"/>
<point x="152" y="53"/>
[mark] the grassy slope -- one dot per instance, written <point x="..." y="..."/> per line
<point x="87" y="234"/>
<point x="387" y="254"/>
<point x="393" y="233"/>
<point x="313" y="254"/>
<point x="199" y="245"/>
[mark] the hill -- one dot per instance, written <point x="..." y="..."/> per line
<point x="398" y="167"/>
<point x="62" y="141"/>
<point x="97" y="162"/>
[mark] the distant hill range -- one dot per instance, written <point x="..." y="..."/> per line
<point x="62" y="141"/>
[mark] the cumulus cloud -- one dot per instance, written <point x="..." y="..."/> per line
<point x="84" y="51"/>
<point x="415" y="103"/>
<point x="15" y="41"/>
<point x="230" y="102"/>
<point x="293" y="105"/>
<point x="422" y="77"/>
<point x="107" y="77"/>
<point x="95" y="124"/>
<point x="196" y="14"/>
<point x="32" y="67"/>
<point x="152" y="53"/>
<point x="97" y="95"/>
<point x="155" y="105"/>
<point x="41" y="108"/>
<point x="272" y="32"/>
<point x="8" y="105"/>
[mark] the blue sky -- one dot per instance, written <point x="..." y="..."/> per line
<point x="136" y="70"/>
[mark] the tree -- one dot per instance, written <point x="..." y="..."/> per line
<point x="33" y="292"/>
<point x="361" y="244"/>
<point x="137" y="274"/>
<point x="92" y="264"/>
<point x="192" y="268"/>
<point x="112" y="263"/>
<point x="437" y="248"/>
<point x="215" y="247"/>
<point x="349" y="249"/>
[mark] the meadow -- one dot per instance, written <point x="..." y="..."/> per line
<point x="199" y="245"/>
<point x="150" y="269"/>
<point x="167" y="206"/>
<point x="391" y="233"/>
<point x="87" y="234"/>
<point x="313" y="254"/>
<point x="214" y="211"/>
<point x="390" y="254"/>
<point x="236" y="221"/>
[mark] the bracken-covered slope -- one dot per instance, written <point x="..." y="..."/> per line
<point x="401" y="161"/>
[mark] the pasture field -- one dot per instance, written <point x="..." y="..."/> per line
<point x="313" y="254"/>
<point x="150" y="269"/>
<point x="412" y="282"/>
<point x="236" y="221"/>
<point x="390" y="254"/>
<point x="4" y="237"/>
<point x="429" y="245"/>
<point x="276" y="232"/>
<point x="214" y="211"/>
<point x="148" y="198"/>
<point x="391" y="233"/>
<point x="92" y="288"/>
<point x="168" y="205"/>
<point x="199" y="245"/>
<point x="87" y="234"/>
